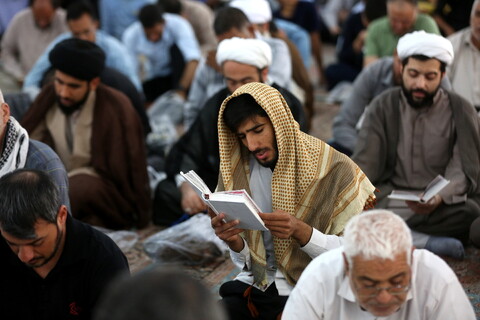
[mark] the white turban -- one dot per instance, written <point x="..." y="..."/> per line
<point x="427" y="44"/>
<point x="254" y="52"/>
<point x="257" y="11"/>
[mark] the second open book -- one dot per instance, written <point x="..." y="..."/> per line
<point x="236" y="204"/>
<point x="431" y="190"/>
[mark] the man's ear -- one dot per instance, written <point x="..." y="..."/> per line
<point x="94" y="83"/>
<point x="62" y="215"/>
<point x="264" y="74"/>
<point x="5" y="111"/>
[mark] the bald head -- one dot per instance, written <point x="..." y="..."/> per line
<point x="402" y="15"/>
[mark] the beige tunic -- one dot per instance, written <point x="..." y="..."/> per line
<point x="427" y="147"/>
<point x="72" y="136"/>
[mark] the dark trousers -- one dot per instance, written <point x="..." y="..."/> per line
<point x="166" y="203"/>
<point x="338" y="72"/>
<point x="155" y="87"/>
<point x="447" y="220"/>
<point x="269" y="304"/>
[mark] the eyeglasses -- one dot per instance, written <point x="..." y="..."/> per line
<point x="372" y="291"/>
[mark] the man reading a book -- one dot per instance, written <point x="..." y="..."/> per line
<point x="306" y="191"/>
<point x="414" y="133"/>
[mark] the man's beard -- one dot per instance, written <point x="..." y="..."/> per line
<point x="268" y="164"/>
<point x="46" y="260"/>
<point x="426" y="101"/>
<point x="68" y="110"/>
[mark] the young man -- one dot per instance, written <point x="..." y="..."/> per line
<point x="97" y="134"/>
<point x="241" y="61"/>
<point x="414" y="133"/>
<point x="378" y="274"/>
<point x="83" y="24"/>
<point x="54" y="266"/>
<point x="306" y="191"/>
<point x="164" y="49"/>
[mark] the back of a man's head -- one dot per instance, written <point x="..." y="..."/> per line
<point x="229" y="18"/>
<point x="239" y="109"/>
<point x="78" y="8"/>
<point x="158" y="294"/>
<point x="25" y="197"/>
<point x="171" y="6"/>
<point x="150" y="15"/>
<point x="376" y="234"/>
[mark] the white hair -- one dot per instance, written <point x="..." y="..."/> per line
<point x="1" y="97"/>
<point x="377" y="234"/>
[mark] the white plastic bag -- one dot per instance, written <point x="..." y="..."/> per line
<point x="191" y="242"/>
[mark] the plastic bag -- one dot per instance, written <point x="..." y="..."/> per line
<point x="191" y="242"/>
<point x="125" y="240"/>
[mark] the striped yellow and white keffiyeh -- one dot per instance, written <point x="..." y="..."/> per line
<point x="311" y="180"/>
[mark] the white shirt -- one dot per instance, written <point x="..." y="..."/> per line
<point x="261" y="187"/>
<point x="464" y="73"/>
<point x="323" y="292"/>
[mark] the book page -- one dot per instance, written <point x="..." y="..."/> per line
<point x="434" y="187"/>
<point x="196" y="182"/>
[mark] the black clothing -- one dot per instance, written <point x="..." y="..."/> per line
<point x="198" y="150"/>
<point x="71" y="289"/>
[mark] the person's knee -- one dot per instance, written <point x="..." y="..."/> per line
<point x="475" y="232"/>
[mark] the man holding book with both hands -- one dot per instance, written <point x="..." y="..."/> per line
<point x="306" y="191"/>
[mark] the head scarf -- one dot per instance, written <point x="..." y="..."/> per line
<point x="253" y="52"/>
<point x="257" y="11"/>
<point x="312" y="181"/>
<point x="427" y="44"/>
<point x="78" y="58"/>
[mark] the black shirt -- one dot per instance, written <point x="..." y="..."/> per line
<point x="71" y="289"/>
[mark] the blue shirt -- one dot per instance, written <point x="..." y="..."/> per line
<point x="9" y="8"/>
<point x="117" y="15"/>
<point x="117" y="57"/>
<point x="156" y="55"/>
<point x="42" y="157"/>
<point x="299" y="37"/>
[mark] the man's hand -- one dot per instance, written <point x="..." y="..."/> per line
<point x="427" y="207"/>
<point x="283" y="225"/>
<point x="227" y="231"/>
<point x="191" y="203"/>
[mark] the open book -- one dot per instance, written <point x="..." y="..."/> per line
<point x="236" y="204"/>
<point x="432" y="189"/>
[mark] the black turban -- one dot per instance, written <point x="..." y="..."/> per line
<point x="78" y="58"/>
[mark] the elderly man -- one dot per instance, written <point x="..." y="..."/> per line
<point x="165" y="49"/>
<point x="464" y="74"/>
<point x="242" y="61"/>
<point x="378" y="273"/>
<point x="65" y="264"/>
<point x="383" y="33"/>
<point x="419" y="131"/>
<point x="98" y="136"/>
<point x="305" y="190"/>
<point x="29" y="33"/>
<point x="83" y="24"/>
<point x="19" y="151"/>
<point x="232" y="22"/>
